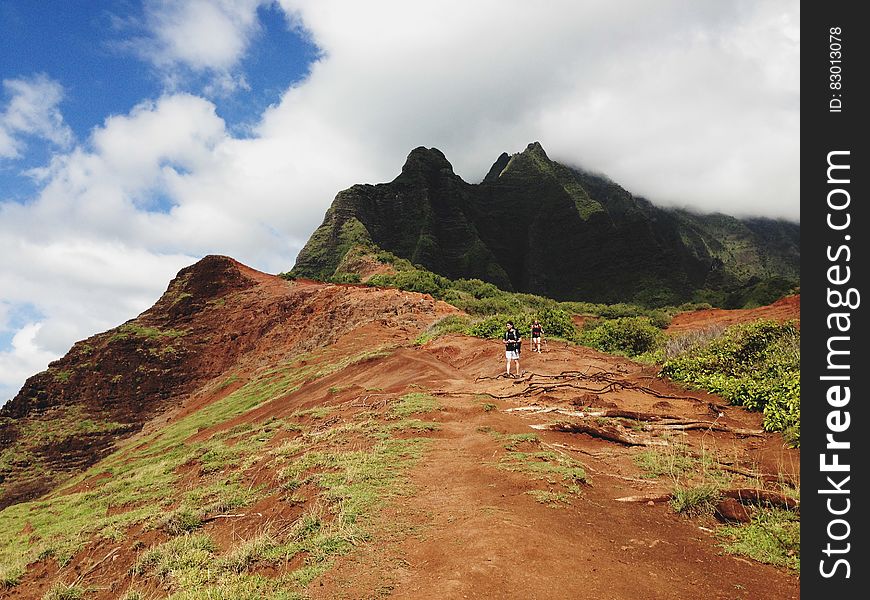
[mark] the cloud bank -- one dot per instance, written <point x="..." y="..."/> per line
<point x="686" y="103"/>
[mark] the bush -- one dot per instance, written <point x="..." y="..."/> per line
<point x="493" y="326"/>
<point x="555" y="321"/>
<point x="424" y="282"/>
<point x="449" y="324"/>
<point x="630" y="336"/>
<point x="755" y="365"/>
<point x="345" y="278"/>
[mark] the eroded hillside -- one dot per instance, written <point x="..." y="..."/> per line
<point x="296" y="441"/>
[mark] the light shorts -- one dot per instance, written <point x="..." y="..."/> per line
<point x="511" y="355"/>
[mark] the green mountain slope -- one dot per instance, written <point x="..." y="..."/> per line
<point x="535" y="225"/>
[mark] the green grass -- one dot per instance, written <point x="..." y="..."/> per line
<point x="773" y="537"/>
<point x="552" y="467"/>
<point x="449" y="324"/>
<point x="133" y="329"/>
<point x="350" y="486"/>
<point x="62" y="376"/>
<point x="674" y="461"/>
<point x="414" y="403"/>
<point x="143" y="479"/>
<point x="551" y="499"/>
<point x="11" y="574"/>
<point x="415" y="425"/>
<point x="695" y="500"/>
<point x="548" y="466"/>
<point x="62" y="591"/>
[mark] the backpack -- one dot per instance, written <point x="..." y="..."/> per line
<point x="513" y="339"/>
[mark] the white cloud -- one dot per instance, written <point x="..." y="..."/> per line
<point x="23" y="360"/>
<point x="684" y="102"/>
<point x="32" y="111"/>
<point x="200" y="35"/>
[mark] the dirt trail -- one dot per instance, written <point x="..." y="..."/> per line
<point x="475" y="531"/>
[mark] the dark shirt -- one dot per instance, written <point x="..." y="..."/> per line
<point x="511" y="338"/>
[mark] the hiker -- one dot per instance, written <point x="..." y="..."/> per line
<point x="512" y="343"/>
<point x="537" y="332"/>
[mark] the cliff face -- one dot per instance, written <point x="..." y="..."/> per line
<point x="534" y="225"/>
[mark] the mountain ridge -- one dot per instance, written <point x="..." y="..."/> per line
<point x="535" y="225"/>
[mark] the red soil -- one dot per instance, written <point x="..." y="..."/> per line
<point x="784" y="309"/>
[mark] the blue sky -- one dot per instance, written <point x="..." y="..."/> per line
<point x="90" y="54"/>
<point x="137" y="136"/>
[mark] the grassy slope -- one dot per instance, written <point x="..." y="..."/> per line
<point x="336" y="483"/>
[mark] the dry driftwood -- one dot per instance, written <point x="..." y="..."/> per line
<point x="766" y="477"/>
<point x="759" y="496"/>
<point x="709" y="425"/>
<point x="604" y="432"/>
<point x="743" y="495"/>
<point x="646" y="498"/>
<point x="611" y="413"/>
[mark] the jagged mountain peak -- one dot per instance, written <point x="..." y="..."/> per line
<point x="535" y="148"/>
<point x="429" y="162"/>
<point x="538" y="226"/>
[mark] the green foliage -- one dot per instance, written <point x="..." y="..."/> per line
<point x="134" y="329"/>
<point x="675" y="461"/>
<point x="417" y="280"/>
<point x="555" y="321"/>
<point x="345" y="278"/>
<point x="414" y="403"/>
<point x="760" y="292"/>
<point x="755" y="365"/>
<point x="449" y="324"/>
<point x="695" y="500"/>
<point x="630" y="336"/>
<point x="11" y="574"/>
<point x="772" y="537"/>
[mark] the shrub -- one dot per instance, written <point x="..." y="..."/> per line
<point x="629" y="336"/>
<point x="345" y="278"/>
<point x="449" y="324"/>
<point x="424" y="282"/>
<point x="755" y="365"/>
<point x="493" y="327"/>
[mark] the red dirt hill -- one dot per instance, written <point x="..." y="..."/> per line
<point x="379" y="467"/>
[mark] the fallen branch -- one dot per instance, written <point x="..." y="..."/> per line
<point x="236" y="516"/>
<point x="612" y="413"/>
<point x="743" y="495"/>
<point x="608" y="433"/>
<point x="759" y="496"/>
<point x="708" y="425"/>
<point x="646" y="498"/>
<point x="766" y="477"/>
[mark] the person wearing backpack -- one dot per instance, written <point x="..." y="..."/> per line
<point x="512" y="343"/>
<point x="537" y="332"/>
